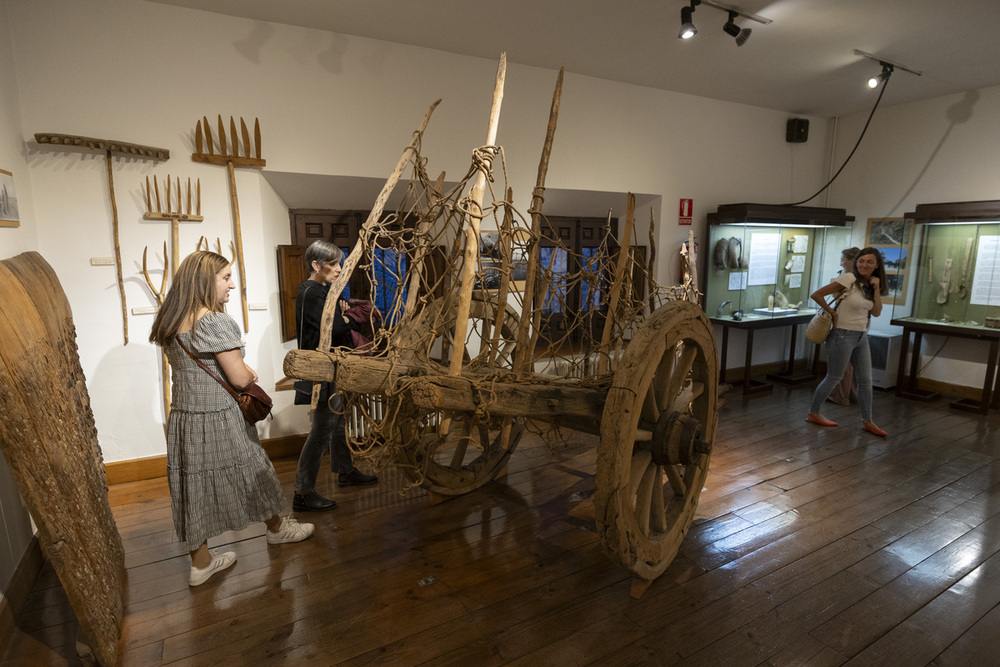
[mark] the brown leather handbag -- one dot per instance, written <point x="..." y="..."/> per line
<point x="254" y="402"/>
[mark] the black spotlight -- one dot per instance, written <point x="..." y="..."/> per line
<point x="740" y="34"/>
<point x="881" y="78"/>
<point x="687" y="27"/>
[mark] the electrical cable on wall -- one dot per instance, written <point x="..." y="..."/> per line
<point x="858" y="143"/>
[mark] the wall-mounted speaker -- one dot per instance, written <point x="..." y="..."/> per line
<point x="797" y="130"/>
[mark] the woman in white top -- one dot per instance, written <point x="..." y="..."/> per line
<point x="860" y="292"/>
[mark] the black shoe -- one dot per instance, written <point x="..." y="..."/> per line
<point x="311" y="502"/>
<point x="356" y="478"/>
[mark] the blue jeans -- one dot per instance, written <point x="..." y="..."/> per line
<point x="845" y="347"/>
<point x="328" y="431"/>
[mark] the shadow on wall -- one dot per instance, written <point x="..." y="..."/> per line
<point x="957" y="114"/>
<point x="251" y="46"/>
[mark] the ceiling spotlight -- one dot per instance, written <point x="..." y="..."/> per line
<point x="733" y="30"/>
<point x="687" y="27"/>
<point x="881" y="78"/>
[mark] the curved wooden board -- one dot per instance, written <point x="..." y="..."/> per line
<point x="49" y="439"/>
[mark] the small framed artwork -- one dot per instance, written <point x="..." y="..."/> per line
<point x="894" y="239"/>
<point x="8" y="201"/>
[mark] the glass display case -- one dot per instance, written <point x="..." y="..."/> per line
<point x="764" y="260"/>
<point x="956" y="274"/>
<point x="953" y="289"/>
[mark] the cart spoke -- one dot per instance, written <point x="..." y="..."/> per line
<point x="644" y="498"/>
<point x="641" y="460"/>
<point x="459" y="456"/>
<point x="486" y="443"/>
<point x="690" y="392"/>
<point x="658" y="386"/>
<point x="658" y="511"/>
<point x="685" y="361"/>
<point x="650" y="407"/>
<point x="676" y="481"/>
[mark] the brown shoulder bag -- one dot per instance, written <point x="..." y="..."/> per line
<point x="254" y="402"/>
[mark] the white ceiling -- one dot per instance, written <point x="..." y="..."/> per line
<point x="803" y="63"/>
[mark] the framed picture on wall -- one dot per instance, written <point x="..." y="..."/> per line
<point x="8" y="201"/>
<point x="894" y="239"/>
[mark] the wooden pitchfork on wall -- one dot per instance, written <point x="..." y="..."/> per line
<point x="232" y="159"/>
<point x="173" y="213"/>
<point x="110" y="148"/>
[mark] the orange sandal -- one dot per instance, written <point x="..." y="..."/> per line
<point x="819" y="419"/>
<point x="872" y="428"/>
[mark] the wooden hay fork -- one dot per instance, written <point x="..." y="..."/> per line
<point x="110" y="147"/>
<point x="173" y="214"/>
<point x="232" y="159"/>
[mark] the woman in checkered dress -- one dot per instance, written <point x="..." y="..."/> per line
<point x="220" y="478"/>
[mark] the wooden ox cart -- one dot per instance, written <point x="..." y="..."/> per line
<point x="467" y="356"/>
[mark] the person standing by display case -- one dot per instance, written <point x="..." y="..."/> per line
<point x="858" y="297"/>
<point x="846" y="392"/>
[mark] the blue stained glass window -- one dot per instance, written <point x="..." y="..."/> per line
<point x="346" y="294"/>
<point x="556" y="260"/>
<point x="591" y="299"/>
<point x="388" y="269"/>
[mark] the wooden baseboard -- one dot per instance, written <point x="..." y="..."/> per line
<point x="18" y="589"/>
<point x="735" y="375"/>
<point x="284" y="447"/>
<point x="152" y="467"/>
<point x="135" y="470"/>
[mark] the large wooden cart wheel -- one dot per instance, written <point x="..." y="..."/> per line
<point x="454" y="452"/>
<point x="473" y="452"/>
<point x="657" y="431"/>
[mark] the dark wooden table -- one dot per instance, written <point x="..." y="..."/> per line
<point x="990" y="398"/>
<point x="751" y="324"/>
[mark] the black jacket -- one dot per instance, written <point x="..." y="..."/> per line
<point x="309" y="315"/>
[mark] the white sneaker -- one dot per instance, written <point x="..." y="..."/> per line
<point x="219" y="563"/>
<point x="290" y="530"/>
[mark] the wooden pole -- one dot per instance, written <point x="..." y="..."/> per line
<point x="420" y="254"/>
<point x="330" y="307"/>
<point x="506" y="246"/>
<point x="524" y="353"/>
<point x="472" y="230"/>
<point x="651" y="264"/>
<point x="238" y="238"/>
<point x="604" y="359"/>
<point x="118" y="247"/>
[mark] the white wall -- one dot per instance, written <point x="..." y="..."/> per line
<point x="15" y="525"/>
<point x="332" y="104"/>
<point x="939" y="150"/>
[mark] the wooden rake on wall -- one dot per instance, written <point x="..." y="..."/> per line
<point x="110" y="148"/>
<point x="231" y="158"/>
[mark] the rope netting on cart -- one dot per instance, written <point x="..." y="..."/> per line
<point x="539" y="310"/>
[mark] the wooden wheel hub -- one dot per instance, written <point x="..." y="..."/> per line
<point x="677" y="439"/>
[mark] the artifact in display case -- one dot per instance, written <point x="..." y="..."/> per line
<point x="767" y="259"/>
<point x="956" y="282"/>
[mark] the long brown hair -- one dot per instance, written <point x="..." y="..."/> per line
<point x="193" y="288"/>
<point x="879" y="272"/>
